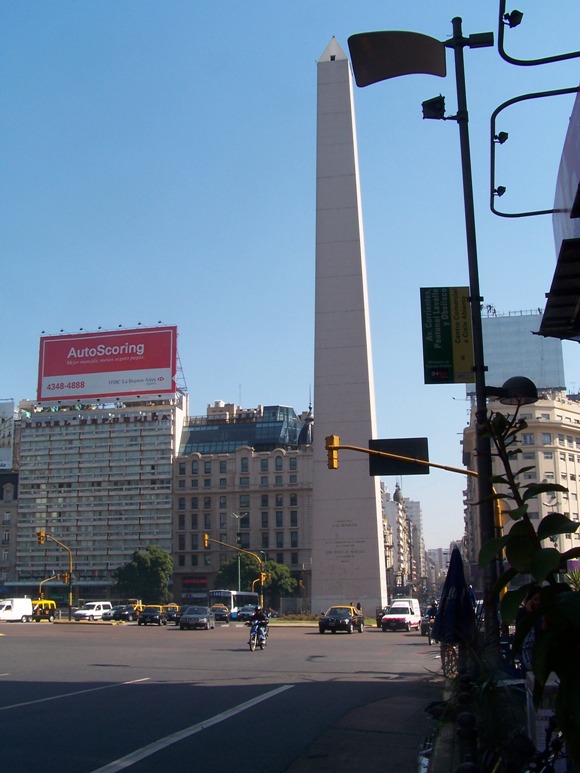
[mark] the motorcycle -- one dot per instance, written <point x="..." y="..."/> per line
<point x="258" y="634"/>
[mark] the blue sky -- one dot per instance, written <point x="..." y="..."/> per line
<point x="158" y="164"/>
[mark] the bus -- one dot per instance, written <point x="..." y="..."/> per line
<point x="233" y="600"/>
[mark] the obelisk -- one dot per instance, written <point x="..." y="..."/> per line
<point x="348" y="562"/>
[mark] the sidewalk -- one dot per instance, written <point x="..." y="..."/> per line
<point x="383" y="736"/>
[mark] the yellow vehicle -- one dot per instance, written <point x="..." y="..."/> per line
<point x="43" y="609"/>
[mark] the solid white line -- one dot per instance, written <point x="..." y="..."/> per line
<point x="162" y="743"/>
<point x="71" y="694"/>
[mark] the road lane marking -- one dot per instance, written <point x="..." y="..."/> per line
<point x="162" y="743"/>
<point x="71" y="694"/>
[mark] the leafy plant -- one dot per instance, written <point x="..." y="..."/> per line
<point x="557" y="648"/>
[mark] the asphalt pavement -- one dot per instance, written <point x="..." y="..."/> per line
<point x="387" y="735"/>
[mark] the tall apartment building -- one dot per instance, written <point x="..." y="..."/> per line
<point x="551" y="447"/>
<point x="98" y="477"/>
<point x="246" y="472"/>
<point x="9" y="520"/>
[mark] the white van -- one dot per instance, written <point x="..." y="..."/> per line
<point x="92" y="610"/>
<point x="402" y="615"/>
<point x="16" y="610"/>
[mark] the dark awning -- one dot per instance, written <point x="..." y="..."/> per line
<point x="561" y="318"/>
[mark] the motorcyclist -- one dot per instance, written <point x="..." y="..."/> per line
<point x="432" y="611"/>
<point x="259" y="622"/>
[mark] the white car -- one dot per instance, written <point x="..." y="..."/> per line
<point x="402" y="615"/>
<point x="92" y="610"/>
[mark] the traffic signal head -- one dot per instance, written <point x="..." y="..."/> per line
<point x="41" y="537"/>
<point x="65" y="577"/>
<point x="332" y="443"/>
<point x="206" y="540"/>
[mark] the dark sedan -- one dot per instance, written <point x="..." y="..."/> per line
<point x="197" y="617"/>
<point x="341" y="618"/>
<point x="152" y="616"/>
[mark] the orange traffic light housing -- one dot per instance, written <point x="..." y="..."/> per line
<point x="206" y="540"/>
<point x="41" y="537"/>
<point x="332" y="443"/>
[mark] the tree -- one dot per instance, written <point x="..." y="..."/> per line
<point x="278" y="582"/>
<point x="146" y="576"/>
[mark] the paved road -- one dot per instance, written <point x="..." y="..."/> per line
<point x="80" y="698"/>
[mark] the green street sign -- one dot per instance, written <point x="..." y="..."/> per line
<point x="447" y="337"/>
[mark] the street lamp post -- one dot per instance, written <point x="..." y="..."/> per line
<point x="380" y="55"/>
<point x="238" y="536"/>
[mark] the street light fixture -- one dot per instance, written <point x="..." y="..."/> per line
<point x="364" y="55"/>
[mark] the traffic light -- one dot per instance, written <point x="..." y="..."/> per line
<point x="41" y="537"/>
<point x="206" y="540"/>
<point x="332" y="441"/>
<point x="65" y="577"/>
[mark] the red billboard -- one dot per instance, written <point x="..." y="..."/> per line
<point x="105" y="365"/>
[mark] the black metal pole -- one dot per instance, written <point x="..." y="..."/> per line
<point x="483" y="447"/>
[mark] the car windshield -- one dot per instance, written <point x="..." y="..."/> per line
<point x="196" y="611"/>
<point x="399" y="611"/>
<point x="338" y="612"/>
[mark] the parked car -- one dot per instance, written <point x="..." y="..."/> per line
<point x="246" y="613"/>
<point x="341" y="618"/>
<point x="402" y="615"/>
<point x="197" y="617"/>
<point x="172" y="612"/>
<point x="108" y="613"/>
<point x="221" y="613"/>
<point x="125" y="612"/>
<point x="152" y="615"/>
<point x="92" y="610"/>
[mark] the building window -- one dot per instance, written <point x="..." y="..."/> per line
<point x="548" y="455"/>
<point x="245" y="520"/>
<point x="181" y="503"/>
<point x="244" y="501"/>
<point x="207" y="503"/>
<point x="278" y="463"/>
<point x="530" y="475"/>
<point x="181" y="542"/>
<point x="279" y="539"/>
<point x="293" y="463"/>
<point x="194" y="467"/>
<point x="293" y="500"/>
<point x="294" y="519"/>
<point x="180" y="560"/>
<point x="194" y="483"/>
<point x="278" y="480"/>
<point x="207" y="521"/>
<point x="181" y="522"/>
<point x="293" y="479"/>
<point x="223" y="483"/>
<point x="546" y="438"/>
<point x="264" y="520"/>
<point x="293" y="539"/>
<point x="244" y="481"/>
<point x="279" y="519"/>
<point x="294" y="559"/>
<point x="528" y="439"/>
<point x="223" y="503"/>
<point x="264" y="465"/>
<point x="194" y="542"/>
<point x="265" y="540"/>
<point x="207" y="560"/>
<point x="181" y="468"/>
<point x="223" y="466"/>
<point x="279" y="558"/>
<point x="264" y="500"/>
<point x="194" y="522"/>
<point x="194" y="503"/>
<point x="181" y="483"/>
<point x="194" y="559"/>
<point x="264" y="480"/>
<point x="244" y="464"/>
<point x="245" y="540"/>
<point x="279" y="500"/>
<point x="223" y="522"/>
<point x="207" y="468"/>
